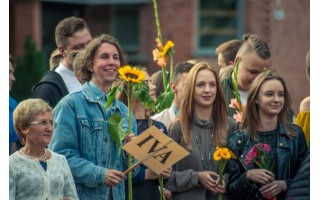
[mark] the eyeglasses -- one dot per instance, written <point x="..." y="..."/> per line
<point x="44" y="123"/>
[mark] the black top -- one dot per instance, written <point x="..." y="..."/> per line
<point x="50" y="88"/>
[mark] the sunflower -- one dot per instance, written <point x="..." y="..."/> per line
<point x="129" y="74"/>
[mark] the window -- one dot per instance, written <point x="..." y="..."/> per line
<point x="125" y="26"/>
<point x="218" y="22"/>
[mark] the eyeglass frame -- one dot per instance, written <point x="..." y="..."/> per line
<point x="44" y="123"/>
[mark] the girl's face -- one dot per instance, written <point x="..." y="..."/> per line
<point x="270" y="98"/>
<point x="205" y="89"/>
<point x="152" y="88"/>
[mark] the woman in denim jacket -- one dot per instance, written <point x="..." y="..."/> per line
<point x="265" y="121"/>
<point x="82" y="134"/>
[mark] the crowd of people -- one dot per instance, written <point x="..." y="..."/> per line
<point x="61" y="145"/>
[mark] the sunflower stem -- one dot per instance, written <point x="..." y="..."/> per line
<point x="129" y="130"/>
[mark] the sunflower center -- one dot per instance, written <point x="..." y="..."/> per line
<point x="130" y="75"/>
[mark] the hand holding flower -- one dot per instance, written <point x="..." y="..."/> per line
<point x="166" y="173"/>
<point x="219" y="189"/>
<point x="274" y="188"/>
<point x="208" y="179"/>
<point x="129" y="137"/>
<point x="261" y="176"/>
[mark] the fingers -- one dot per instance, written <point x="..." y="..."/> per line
<point x="113" y="177"/>
<point x="272" y="189"/>
<point x="166" y="173"/>
<point x="129" y="137"/>
<point x="206" y="180"/>
<point x="261" y="176"/>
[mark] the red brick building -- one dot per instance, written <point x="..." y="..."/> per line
<point x="284" y="24"/>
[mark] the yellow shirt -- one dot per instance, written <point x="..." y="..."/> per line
<point x="303" y="120"/>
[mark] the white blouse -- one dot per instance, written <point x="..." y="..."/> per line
<point x="28" y="179"/>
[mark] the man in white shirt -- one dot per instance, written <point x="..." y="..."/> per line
<point x="72" y="35"/>
<point x="180" y="74"/>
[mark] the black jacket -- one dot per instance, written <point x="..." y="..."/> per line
<point x="290" y="154"/>
<point x="300" y="186"/>
<point x="50" y="88"/>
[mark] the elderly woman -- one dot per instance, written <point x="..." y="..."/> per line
<point x="36" y="172"/>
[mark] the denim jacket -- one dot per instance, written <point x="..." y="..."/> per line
<point x="82" y="136"/>
<point x="290" y="154"/>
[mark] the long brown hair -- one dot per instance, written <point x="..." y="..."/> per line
<point x="251" y="112"/>
<point x="219" y="109"/>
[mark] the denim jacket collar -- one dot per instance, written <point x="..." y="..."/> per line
<point x="93" y="94"/>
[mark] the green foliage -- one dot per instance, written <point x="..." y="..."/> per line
<point x="141" y="93"/>
<point x="165" y="100"/>
<point x="118" y="134"/>
<point x="112" y="95"/>
<point x="29" y="70"/>
<point x="235" y="84"/>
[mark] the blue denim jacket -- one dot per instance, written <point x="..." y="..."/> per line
<point x="82" y="137"/>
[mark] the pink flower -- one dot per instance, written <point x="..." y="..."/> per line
<point x="258" y="155"/>
<point x="264" y="147"/>
<point x="234" y="104"/>
<point x="251" y="156"/>
<point x="238" y="117"/>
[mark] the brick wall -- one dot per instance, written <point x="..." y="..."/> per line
<point x="25" y="19"/>
<point x="288" y="39"/>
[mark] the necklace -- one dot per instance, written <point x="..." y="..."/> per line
<point x="41" y="158"/>
<point x="205" y="165"/>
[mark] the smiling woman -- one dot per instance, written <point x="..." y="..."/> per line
<point x="34" y="125"/>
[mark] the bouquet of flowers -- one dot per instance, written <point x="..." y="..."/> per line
<point x="160" y="55"/>
<point x="222" y="155"/>
<point x="259" y="155"/>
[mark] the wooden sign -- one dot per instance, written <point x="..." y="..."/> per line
<point x="155" y="150"/>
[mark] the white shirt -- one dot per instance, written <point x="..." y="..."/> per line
<point x="69" y="78"/>
<point x="29" y="181"/>
<point x="243" y="96"/>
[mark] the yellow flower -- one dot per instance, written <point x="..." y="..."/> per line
<point x="225" y="154"/>
<point x="232" y="155"/>
<point x="166" y="48"/>
<point x="217" y="155"/>
<point x="130" y="74"/>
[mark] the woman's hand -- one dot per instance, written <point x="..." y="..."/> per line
<point x="261" y="176"/>
<point x="274" y="188"/>
<point x="166" y="173"/>
<point x="219" y="188"/>
<point x="208" y="180"/>
<point x="149" y="174"/>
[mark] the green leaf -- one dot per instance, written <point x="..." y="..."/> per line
<point x="164" y="101"/>
<point x="142" y="94"/>
<point x="116" y="131"/>
<point x="112" y="93"/>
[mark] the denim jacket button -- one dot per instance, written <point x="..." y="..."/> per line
<point x="281" y="144"/>
<point x="239" y="141"/>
